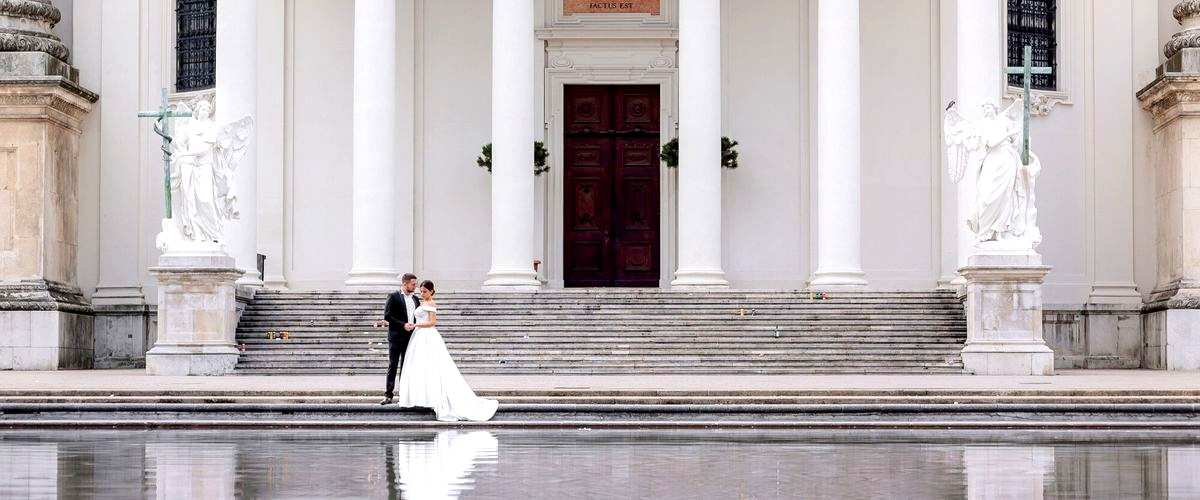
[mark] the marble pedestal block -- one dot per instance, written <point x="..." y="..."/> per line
<point x="1171" y="317"/>
<point x="1004" y="316"/>
<point x="197" y="315"/>
<point x="45" y="322"/>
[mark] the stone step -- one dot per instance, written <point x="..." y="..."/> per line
<point x="682" y="325"/>
<point x="292" y="344"/>
<point x="620" y="332"/>
<point x="466" y="367"/>
<point x="592" y="304"/>
<point x="618" y="371"/>
<point x="618" y="292"/>
<point x="621" y="353"/>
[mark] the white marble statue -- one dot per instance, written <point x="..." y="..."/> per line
<point x="204" y="158"/>
<point x="987" y="153"/>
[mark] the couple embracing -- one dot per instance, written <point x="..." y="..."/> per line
<point x="428" y="378"/>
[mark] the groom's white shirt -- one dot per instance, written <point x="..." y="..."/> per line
<point x="411" y="306"/>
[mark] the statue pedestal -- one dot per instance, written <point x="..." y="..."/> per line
<point x="45" y="321"/>
<point x="197" y="314"/>
<point x="1004" y="315"/>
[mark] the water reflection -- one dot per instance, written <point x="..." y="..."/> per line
<point x="441" y="467"/>
<point x="580" y="464"/>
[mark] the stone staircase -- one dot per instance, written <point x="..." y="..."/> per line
<point x="619" y="331"/>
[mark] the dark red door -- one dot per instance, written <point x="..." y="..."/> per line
<point x="611" y="189"/>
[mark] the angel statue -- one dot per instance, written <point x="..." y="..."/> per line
<point x="204" y="158"/>
<point x="987" y="152"/>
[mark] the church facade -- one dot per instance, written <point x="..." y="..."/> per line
<point x="371" y="118"/>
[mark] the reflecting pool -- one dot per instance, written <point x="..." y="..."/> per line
<point x="658" y="464"/>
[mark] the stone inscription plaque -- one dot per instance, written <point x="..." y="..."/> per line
<point x="652" y="7"/>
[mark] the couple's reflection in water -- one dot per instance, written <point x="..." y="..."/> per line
<point x="438" y="465"/>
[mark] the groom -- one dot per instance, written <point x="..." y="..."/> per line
<point x="400" y="317"/>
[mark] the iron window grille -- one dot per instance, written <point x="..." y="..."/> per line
<point x="1032" y="23"/>
<point x="195" y="44"/>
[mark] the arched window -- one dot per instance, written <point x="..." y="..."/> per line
<point x="196" y="44"/>
<point x="1033" y="23"/>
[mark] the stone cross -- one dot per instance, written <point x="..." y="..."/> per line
<point x="162" y="127"/>
<point x="1027" y="70"/>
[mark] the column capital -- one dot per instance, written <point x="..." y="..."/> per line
<point x="1187" y="14"/>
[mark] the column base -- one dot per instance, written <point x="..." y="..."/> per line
<point x="374" y="279"/>
<point x="838" y="280"/>
<point x="44" y="325"/>
<point x="1171" y="324"/>
<point x="700" y="279"/>
<point x="511" y="281"/>
<point x="1115" y="293"/>
<point x="250" y="280"/>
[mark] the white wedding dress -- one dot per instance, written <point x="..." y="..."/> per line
<point x="430" y="379"/>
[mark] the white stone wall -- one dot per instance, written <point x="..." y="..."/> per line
<point x="318" y="191"/>
<point x="1092" y="193"/>
<point x="765" y="108"/>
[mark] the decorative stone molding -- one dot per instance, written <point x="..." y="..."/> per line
<point x="34" y="10"/>
<point x="42" y="295"/>
<point x="1179" y="294"/>
<point x="1042" y="102"/>
<point x="632" y="56"/>
<point x="1171" y="97"/>
<point x="25" y="26"/>
<point x="1186" y="14"/>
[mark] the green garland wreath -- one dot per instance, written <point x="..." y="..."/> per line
<point x="539" y="158"/>
<point x="729" y="155"/>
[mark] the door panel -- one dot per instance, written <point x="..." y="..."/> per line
<point x="636" y="211"/>
<point x="611" y="185"/>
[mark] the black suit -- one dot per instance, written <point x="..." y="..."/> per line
<point x="396" y="314"/>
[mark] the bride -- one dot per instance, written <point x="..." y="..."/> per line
<point x="430" y="378"/>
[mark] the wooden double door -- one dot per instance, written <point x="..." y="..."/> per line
<point x="611" y="198"/>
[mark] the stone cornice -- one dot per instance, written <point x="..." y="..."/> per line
<point x="1171" y="96"/>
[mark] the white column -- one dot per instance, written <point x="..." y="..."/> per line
<point x="375" y="159"/>
<point x="700" y="146"/>
<point x="513" y="73"/>
<point x="839" y="209"/>
<point x="980" y="79"/>
<point x="237" y="96"/>
<point x="270" y="126"/>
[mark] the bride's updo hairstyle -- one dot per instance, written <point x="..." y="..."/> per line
<point x="428" y="285"/>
